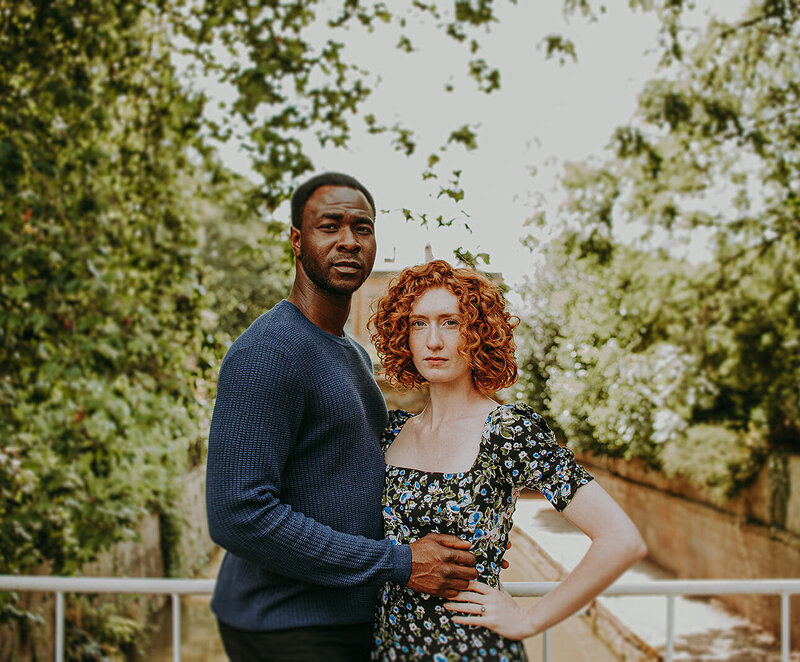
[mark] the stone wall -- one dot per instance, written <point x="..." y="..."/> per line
<point x="694" y="538"/>
<point x="142" y="558"/>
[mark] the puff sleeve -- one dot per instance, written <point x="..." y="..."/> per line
<point x="529" y="455"/>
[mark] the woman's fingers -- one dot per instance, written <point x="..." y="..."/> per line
<point x="473" y="590"/>
<point x="466" y="607"/>
<point x="490" y="608"/>
<point x="466" y="596"/>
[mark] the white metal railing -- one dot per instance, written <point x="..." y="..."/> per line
<point x="671" y="588"/>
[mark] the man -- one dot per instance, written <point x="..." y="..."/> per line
<point x="295" y="470"/>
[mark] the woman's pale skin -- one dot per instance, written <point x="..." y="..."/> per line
<point x="445" y="438"/>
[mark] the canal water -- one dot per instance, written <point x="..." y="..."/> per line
<point x="571" y="640"/>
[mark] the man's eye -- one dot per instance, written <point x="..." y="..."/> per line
<point x="366" y="230"/>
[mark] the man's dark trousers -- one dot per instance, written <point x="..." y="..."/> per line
<point x="332" y="643"/>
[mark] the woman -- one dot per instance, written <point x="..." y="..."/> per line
<point x="459" y="465"/>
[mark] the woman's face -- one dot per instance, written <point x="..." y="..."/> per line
<point x="434" y="337"/>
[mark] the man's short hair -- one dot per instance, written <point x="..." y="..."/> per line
<point x="306" y="190"/>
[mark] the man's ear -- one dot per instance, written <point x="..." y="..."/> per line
<point x="294" y="239"/>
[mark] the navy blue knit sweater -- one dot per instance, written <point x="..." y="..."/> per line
<point x="295" y="478"/>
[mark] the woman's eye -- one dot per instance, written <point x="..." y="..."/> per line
<point x="451" y="323"/>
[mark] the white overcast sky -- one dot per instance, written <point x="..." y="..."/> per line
<point x="544" y="114"/>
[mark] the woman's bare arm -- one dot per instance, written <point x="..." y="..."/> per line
<point x="616" y="545"/>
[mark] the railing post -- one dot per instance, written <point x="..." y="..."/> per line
<point x="670" y="628"/>
<point x="785" y="631"/>
<point x="546" y="646"/>
<point x="176" y="627"/>
<point x="59" y="652"/>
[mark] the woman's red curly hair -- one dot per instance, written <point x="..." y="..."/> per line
<point x="487" y="330"/>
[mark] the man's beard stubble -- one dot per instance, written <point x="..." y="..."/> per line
<point x="321" y="278"/>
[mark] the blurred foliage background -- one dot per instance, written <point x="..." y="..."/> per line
<point x="130" y="255"/>
<point x="643" y="348"/>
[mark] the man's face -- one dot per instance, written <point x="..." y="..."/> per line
<point x="336" y="244"/>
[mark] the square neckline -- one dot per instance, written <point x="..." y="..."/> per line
<point x="444" y="474"/>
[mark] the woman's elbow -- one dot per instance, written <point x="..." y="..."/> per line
<point x="635" y="547"/>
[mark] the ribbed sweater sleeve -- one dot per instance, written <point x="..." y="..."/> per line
<point x="256" y="420"/>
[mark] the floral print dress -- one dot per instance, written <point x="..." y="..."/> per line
<point x="517" y="450"/>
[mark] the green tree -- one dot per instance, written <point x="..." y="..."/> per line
<point x="106" y="167"/>
<point x="689" y="362"/>
<point x="248" y="260"/>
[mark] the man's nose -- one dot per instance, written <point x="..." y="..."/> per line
<point x="348" y="241"/>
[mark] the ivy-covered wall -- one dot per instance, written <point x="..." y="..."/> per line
<point x="119" y="622"/>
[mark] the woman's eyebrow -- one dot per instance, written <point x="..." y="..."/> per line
<point x="436" y="315"/>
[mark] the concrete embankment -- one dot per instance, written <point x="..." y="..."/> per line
<point x="692" y="536"/>
<point x="635" y="627"/>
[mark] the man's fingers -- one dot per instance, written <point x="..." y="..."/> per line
<point x="462" y="572"/>
<point x="453" y="542"/>
<point x="461" y="557"/>
<point x="459" y="584"/>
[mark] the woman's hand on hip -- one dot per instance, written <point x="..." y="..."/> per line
<point x="491" y="608"/>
